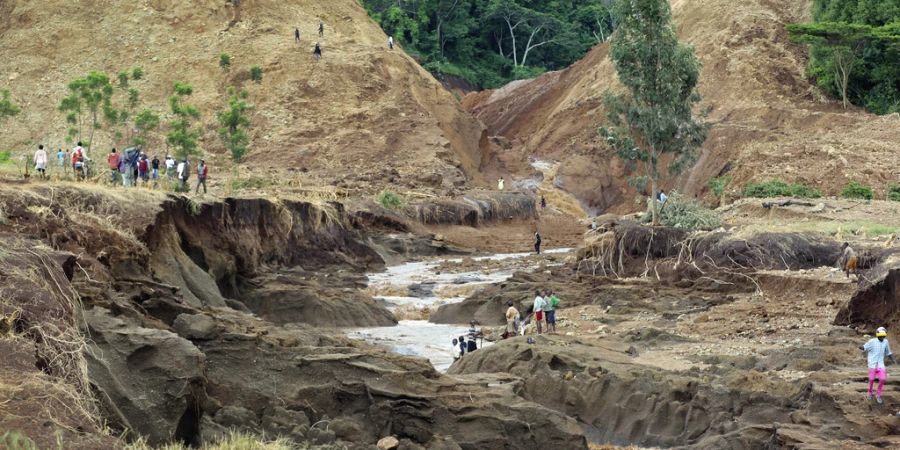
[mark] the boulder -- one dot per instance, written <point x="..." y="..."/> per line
<point x="388" y="443"/>
<point x="195" y="326"/>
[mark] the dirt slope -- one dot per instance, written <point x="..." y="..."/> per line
<point x="362" y="110"/>
<point x="767" y="120"/>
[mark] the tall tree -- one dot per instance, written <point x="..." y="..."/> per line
<point x="182" y="134"/>
<point x="653" y="124"/>
<point x="7" y="107"/>
<point x="90" y="93"/>
<point x="234" y="123"/>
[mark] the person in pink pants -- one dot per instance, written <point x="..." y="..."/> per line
<point x="876" y="349"/>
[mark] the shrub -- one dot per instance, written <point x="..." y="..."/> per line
<point x="5" y="156"/>
<point x="894" y="192"/>
<point x="225" y="61"/>
<point x="778" y="188"/>
<point x="856" y="190"/>
<point x="256" y="74"/>
<point x="718" y="184"/>
<point x="389" y="200"/>
<point x="683" y="212"/>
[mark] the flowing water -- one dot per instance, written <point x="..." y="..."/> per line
<point x="427" y="284"/>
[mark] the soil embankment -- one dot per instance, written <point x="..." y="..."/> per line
<point x="170" y="352"/>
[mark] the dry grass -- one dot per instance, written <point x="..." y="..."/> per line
<point x="837" y="229"/>
<point x="238" y="441"/>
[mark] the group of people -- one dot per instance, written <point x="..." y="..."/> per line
<point x="543" y="315"/>
<point x="74" y="158"/>
<point x="317" y="50"/>
<point x="467" y="343"/>
<point x="133" y="167"/>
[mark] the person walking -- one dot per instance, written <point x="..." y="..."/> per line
<point x="183" y="170"/>
<point x="550" y="312"/>
<point x="78" y="162"/>
<point x="537" y="243"/>
<point x="538" y="308"/>
<point x="543" y="202"/>
<point x="321" y="29"/>
<point x="144" y="169"/>
<point x="202" y="171"/>
<point x="849" y="261"/>
<point x="154" y="170"/>
<point x="61" y="159"/>
<point x="112" y="161"/>
<point x="296" y="35"/>
<point x="390" y="42"/>
<point x="876" y="349"/>
<point x="317" y="52"/>
<point x="511" y="316"/>
<point x="40" y="162"/>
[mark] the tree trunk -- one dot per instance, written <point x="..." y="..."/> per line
<point x="654" y="205"/>
<point x="512" y="34"/>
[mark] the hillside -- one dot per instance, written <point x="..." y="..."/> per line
<point x="362" y="110"/>
<point x="767" y="120"/>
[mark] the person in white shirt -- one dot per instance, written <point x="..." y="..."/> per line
<point x="391" y="43"/>
<point x="500" y="183"/>
<point x="180" y="172"/>
<point x="539" y="304"/>
<point x="876" y="349"/>
<point x="40" y="161"/>
<point x="170" y="168"/>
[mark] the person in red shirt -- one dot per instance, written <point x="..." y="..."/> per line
<point x="78" y="161"/>
<point x="202" y="171"/>
<point x="143" y="168"/>
<point x="113" y="160"/>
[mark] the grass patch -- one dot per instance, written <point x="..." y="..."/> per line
<point x="856" y="190"/>
<point x="236" y="441"/>
<point x="893" y="193"/>
<point x="778" y="188"/>
<point x="829" y="228"/>
<point x="239" y="184"/>
<point x="718" y="184"/>
<point x="389" y="200"/>
<point x="5" y="156"/>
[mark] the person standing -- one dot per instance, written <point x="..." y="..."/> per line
<point x="144" y="169"/>
<point x="317" y="52"/>
<point x="537" y="243"/>
<point x="78" y="162"/>
<point x="154" y="170"/>
<point x="112" y="161"/>
<point x="511" y="315"/>
<point x="61" y="159"/>
<point x="543" y="202"/>
<point x="462" y="346"/>
<point x="538" y="309"/>
<point x="454" y="350"/>
<point x="473" y="334"/>
<point x="500" y="184"/>
<point x="390" y="42"/>
<point x="170" y="168"/>
<point x="40" y="161"/>
<point x="296" y="35"/>
<point x="550" y="312"/>
<point x="849" y="261"/>
<point x="321" y="29"/>
<point x="202" y="171"/>
<point x="876" y="349"/>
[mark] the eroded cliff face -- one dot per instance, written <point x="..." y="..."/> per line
<point x="766" y="119"/>
<point x="168" y="317"/>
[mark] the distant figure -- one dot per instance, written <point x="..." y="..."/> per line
<point x="512" y="315"/>
<point x="40" y="161"/>
<point x="538" y="308"/>
<point x="550" y="310"/>
<point x="662" y="197"/>
<point x="848" y="261"/>
<point x="296" y="35"/>
<point x="66" y="159"/>
<point x="543" y="202"/>
<point x="537" y="243"/>
<point x="473" y="334"/>
<point x="202" y="171"/>
<point x="462" y="346"/>
<point x="500" y="184"/>
<point x="390" y="42"/>
<point x="112" y="161"/>
<point x="184" y="172"/>
<point x="454" y="350"/>
<point x="78" y="162"/>
<point x="154" y="170"/>
<point x="317" y="52"/>
<point x="876" y="349"/>
<point x="321" y="29"/>
<point x="127" y="162"/>
<point x="144" y="169"/>
<point x="170" y="168"/>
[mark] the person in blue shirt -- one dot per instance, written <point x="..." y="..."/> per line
<point x="876" y="349"/>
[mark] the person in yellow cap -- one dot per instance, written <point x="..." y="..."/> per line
<point x="876" y="349"/>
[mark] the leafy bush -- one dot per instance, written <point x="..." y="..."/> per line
<point x="389" y="200"/>
<point x="718" y="184"/>
<point x="256" y="74"/>
<point x="856" y="190"/>
<point x="683" y="212"/>
<point x="5" y="156"/>
<point x="778" y="188"/>
<point x="894" y="192"/>
<point x="225" y="61"/>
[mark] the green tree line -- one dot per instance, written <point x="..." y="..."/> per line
<point x="855" y="51"/>
<point x="490" y="42"/>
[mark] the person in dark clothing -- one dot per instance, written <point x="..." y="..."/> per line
<point x="317" y="52"/>
<point x="296" y="35"/>
<point x="462" y="346"/>
<point x="537" y="243"/>
<point x="543" y="202"/>
<point x="154" y="169"/>
<point x="321" y="29"/>
<point x="202" y="172"/>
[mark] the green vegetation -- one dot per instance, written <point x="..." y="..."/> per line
<point x="5" y="156"/>
<point x="182" y="134"/>
<point x="856" y="190"/>
<point x="778" y="188"/>
<point x="225" y="62"/>
<point x="683" y="212"/>
<point x="256" y="74"/>
<point x="239" y="184"/>
<point x="718" y="184"/>
<point x="389" y="200"/>
<point x="86" y="96"/>
<point x="855" y="51"/>
<point x="234" y="123"/>
<point x="490" y="42"/>
<point x="13" y="440"/>
<point x="7" y="107"/>
<point x="893" y="192"/>
<point x="655" y="118"/>
<point x="145" y="122"/>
